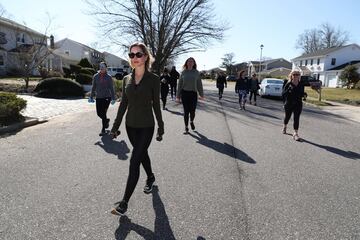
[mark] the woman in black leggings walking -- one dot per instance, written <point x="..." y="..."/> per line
<point x="140" y="98"/>
<point x="293" y="93"/>
<point x="188" y="88"/>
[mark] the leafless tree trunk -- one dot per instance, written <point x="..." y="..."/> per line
<point x="168" y="27"/>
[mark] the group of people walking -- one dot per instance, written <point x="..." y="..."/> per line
<point x="140" y="101"/>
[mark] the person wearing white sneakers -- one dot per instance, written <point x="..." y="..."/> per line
<point x="293" y="94"/>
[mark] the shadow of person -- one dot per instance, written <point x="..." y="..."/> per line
<point x="346" y="154"/>
<point x="174" y="112"/>
<point x="223" y="148"/>
<point x="162" y="228"/>
<point x="114" y="147"/>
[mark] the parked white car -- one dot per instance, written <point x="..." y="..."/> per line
<point x="271" y="87"/>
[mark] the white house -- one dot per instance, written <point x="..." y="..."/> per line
<point x="73" y="51"/>
<point x="114" y="61"/>
<point x="15" y="41"/>
<point x="323" y="64"/>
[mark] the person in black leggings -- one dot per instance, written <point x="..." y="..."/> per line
<point x="293" y="93"/>
<point x="140" y="95"/>
<point x="189" y="86"/>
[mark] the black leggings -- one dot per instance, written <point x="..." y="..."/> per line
<point x="102" y="105"/>
<point x="251" y="94"/>
<point x="140" y="139"/>
<point x="173" y="89"/>
<point x="189" y="101"/>
<point x="296" y="109"/>
<point x="221" y="91"/>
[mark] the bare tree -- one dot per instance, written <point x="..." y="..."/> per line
<point x="228" y="62"/>
<point x="322" y="37"/>
<point x="27" y="58"/>
<point x="332" y="37"/>
<point x="168" y="27"/>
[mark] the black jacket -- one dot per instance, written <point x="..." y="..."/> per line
<point x="242" y="84"/>
<point x="221" y="81"/>
<point x="293" y="95"/>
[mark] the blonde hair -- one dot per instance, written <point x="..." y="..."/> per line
<point x="146" y="51"/>
<point x="291" y="74"/>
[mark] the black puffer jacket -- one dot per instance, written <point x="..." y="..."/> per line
<point x="293" y="95"/>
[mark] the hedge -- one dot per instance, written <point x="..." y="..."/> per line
<point x="83" y="78"/>
<point x="10" y="107"/>
<point x="58" y="88"/>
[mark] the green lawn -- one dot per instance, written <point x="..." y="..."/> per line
<point x="343" y="95"/>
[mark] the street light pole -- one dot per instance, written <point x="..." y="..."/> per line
<point x="261" y="48"/>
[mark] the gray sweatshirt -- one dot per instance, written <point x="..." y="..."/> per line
<point x="190" y="80"/>
<point x="102" y="86"/>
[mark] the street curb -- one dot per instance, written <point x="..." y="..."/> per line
<point x="17" y="126"/>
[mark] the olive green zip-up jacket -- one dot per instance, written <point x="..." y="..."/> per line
<point x="140" y="101"/>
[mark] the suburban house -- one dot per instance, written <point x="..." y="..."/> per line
<point x="117" y="63"/>
<point x="326" y="65"/>
<point x="18" y="46"/>
<point x="72" y="52"/>
<point x="278" y="67"/>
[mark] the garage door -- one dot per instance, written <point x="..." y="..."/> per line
<point x="332" y="80"/>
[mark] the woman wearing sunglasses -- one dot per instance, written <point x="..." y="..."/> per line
<point x="293" y="93"/>
<point x="188" y="88"/>
<point x="140" y="97"/>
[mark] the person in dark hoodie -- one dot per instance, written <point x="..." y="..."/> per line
<point x="242" y="87"/>
<point x="220" y="83"/>
<point x="254" y="87"/>
<point x="103" y="89"/>
<point x="140" y="101"/>
<point x="293" y="93"/>
<point x="164" y="90"/>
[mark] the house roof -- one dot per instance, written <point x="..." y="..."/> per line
<point x="70" y="40"/>
<point x="322" y="52"/>
<point x="342" y="66"/>
<point x="14" y="24"/>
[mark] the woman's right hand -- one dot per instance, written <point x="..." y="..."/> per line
<point x="178" y="100"/>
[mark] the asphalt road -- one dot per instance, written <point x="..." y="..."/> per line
<point x="236" y="177"/>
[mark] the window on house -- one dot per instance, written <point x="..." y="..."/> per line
<point x="67" y="52"/>
<point x="305" y="62"/>
<point x="1" y="60"/>
<point x="300" y="63"/>
<point x="311" y="62"/>
<point x="318" y="61"/>
<point x="20" y="37"/>
<point x="333" y="61"/>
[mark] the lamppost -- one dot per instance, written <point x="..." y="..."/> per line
<point x="261" y="48"/>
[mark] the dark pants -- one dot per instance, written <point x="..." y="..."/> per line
<point x="221" y="91"/>
<point x="173" y="89"/>
<point x="189" y="101"/>
<point x="140" y="139"/>
<point x="102" y="105"/>
<point x="164" y="91"/>
<point x="253" y="93"/>
<point x="296" y="109"/>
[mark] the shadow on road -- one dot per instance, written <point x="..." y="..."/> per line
<point x="114" y="147"/>
<point x="346" y="154"/>
<point x="223" y="148"/>
<point x="175" y="112"/>
<point x="162" y="228"/>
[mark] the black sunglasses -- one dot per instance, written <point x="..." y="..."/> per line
<point x="138" y="55"/>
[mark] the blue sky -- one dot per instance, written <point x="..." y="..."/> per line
<point x="276" y="24"/>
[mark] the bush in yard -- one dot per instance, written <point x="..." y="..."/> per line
<point x="350" y="76"/>
<point x="75" y="68"/>
<point x="83" y="78"/>
<point x="118" y="88"/>
<point x="67" y="72"/>
<point x="84" y="62"/>
<point x="86" y="71"/>
<point x="10" y="107"/>
<point x="91" y="70"/>
<point x="58" y="88"/>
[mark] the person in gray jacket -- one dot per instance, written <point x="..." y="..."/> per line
<point x="103" y="89"/>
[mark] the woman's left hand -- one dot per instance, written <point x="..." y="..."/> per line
<point x="201" y="98"/>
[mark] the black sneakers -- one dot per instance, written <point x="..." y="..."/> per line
<point x="149" y="184"/>
<point x="192" y="125"/>
<point x="186" y="130"/>
<point x="102" y="133"/>
<point x="120" y="209"/>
